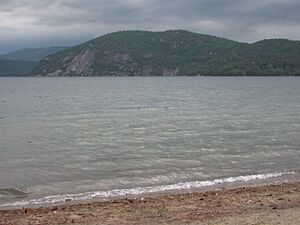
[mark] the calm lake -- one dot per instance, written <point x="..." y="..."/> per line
<point x="111" y="136"/>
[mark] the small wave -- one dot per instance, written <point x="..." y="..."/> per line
<point x="143" y="190"/>
<point x="12" y="192"/>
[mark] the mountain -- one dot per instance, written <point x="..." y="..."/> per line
<point x="15" y="67"/>
<point x="32" y="54"/>
<point x="172" y="53"/>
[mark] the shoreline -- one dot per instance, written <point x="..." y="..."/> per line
<point x="272" y="203"/>
<point x="155" y="191"/>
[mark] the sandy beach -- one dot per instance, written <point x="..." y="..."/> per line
<point x="268" y="205"/>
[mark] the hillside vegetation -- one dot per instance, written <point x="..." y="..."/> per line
<point x="172" y="53"/>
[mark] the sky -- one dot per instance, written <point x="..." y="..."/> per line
<point x="44" y="23"/>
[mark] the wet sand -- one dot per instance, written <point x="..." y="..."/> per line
<point x="263" y="205"/>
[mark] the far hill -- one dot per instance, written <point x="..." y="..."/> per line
<point x="32" y="54"/>
<point x="172" y="53"/>
<point x="22" y="62"/>
<point x="16" y="67"/>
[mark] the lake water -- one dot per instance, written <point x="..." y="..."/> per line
<point x="79" y="138"/>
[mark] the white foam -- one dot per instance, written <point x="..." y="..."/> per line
<point x="142" y="190"/>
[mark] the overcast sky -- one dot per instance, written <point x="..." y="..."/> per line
<point x="43" y="23"/>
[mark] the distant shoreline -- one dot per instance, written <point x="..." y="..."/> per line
<point x="160" y="76"/>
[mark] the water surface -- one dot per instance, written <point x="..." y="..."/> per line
<point x="76" y="135"/>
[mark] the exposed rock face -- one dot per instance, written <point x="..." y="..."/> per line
<point x="55" y="73"/>
<point x="72" y="64"/>
<point x="81" y="63"/>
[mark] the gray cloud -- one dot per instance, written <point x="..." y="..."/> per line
<point x="30" y="23"/>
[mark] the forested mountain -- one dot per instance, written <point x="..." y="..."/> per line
<point x="172" y="53"/>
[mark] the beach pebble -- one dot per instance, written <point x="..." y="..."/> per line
<point x="75" y="217"/>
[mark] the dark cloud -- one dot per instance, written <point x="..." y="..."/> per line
<point x="25" y="23"/>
